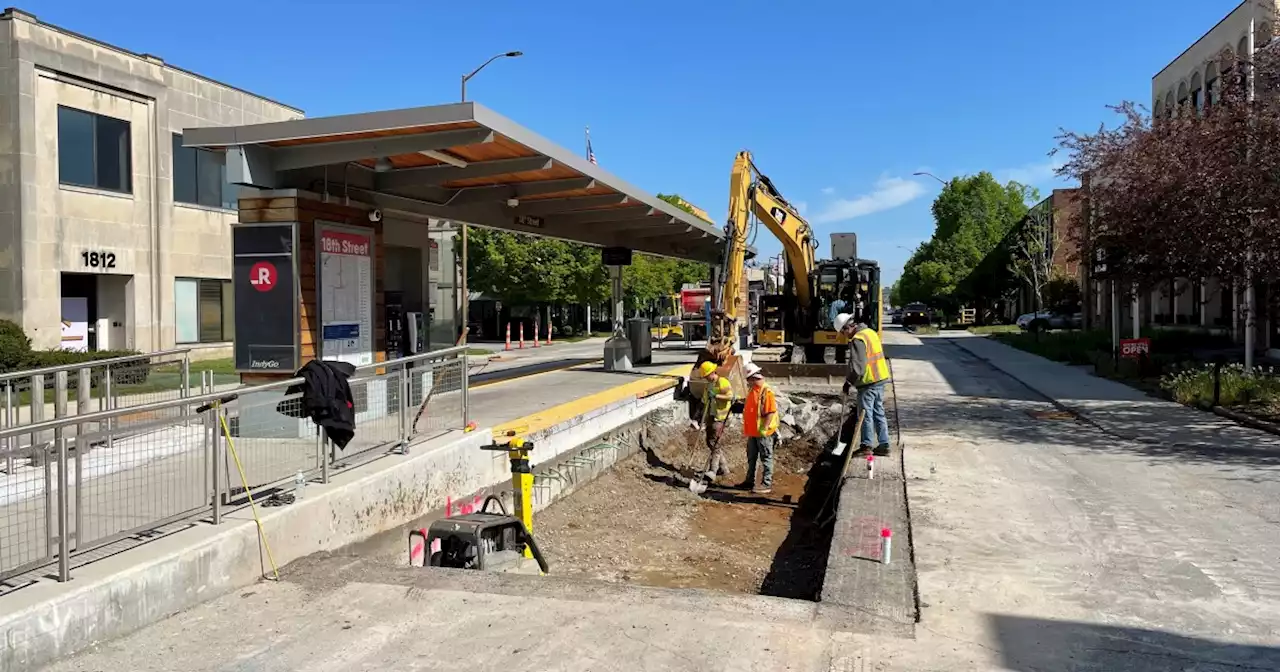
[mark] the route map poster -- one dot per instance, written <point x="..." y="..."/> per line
<point x="345" y="287"/>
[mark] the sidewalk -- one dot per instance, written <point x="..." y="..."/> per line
<point x="1117" y="408"/>
<point x="500" y="359"/>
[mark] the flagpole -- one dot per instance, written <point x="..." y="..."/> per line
<point x="587" y="148"/>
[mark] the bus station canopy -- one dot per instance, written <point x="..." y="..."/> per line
<point x="460" y="162"/>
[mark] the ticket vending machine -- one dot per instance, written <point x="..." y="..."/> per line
<point x="397" y="339"/>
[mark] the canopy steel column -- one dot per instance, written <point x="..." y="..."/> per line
<point x="617" y="350"/>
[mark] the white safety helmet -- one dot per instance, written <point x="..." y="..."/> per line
<point x="842" y="319"/>
<point x="751" y="371"/>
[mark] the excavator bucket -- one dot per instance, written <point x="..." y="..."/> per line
<point x="732" y="370"/>
<point x="818" y="377"/>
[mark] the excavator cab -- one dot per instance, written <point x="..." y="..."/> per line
<point x="772" y="324"/>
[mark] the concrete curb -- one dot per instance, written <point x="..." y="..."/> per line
<point x="1062" y="406"/>
<point x="1247" y="421"/>
<point x="1086" y="416"/>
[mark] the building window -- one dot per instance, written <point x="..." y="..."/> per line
<point x="200" y="177"/>
<point x="1210" y="87"/>
<point x="1195" y="101"/>
<point x="202" y="311"/>
<point x="94" y="151"/>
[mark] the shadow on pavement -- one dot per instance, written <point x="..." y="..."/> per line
<point x="987" y="400"/>
<point x="1037" y="645"/>
<point x="486" y="378"/>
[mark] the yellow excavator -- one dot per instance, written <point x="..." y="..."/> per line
<point x="799" y="318"/>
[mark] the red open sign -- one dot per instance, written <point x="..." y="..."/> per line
<point x="1134" y="348"/>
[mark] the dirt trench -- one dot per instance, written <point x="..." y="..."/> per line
<point x="639" y="523"/>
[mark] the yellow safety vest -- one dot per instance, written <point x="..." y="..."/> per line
<point x="772" y="426"/>
<point x="721" y="406"/>
<point x="877" y="368"/>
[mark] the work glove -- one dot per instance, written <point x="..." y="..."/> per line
<point x="847" y="386"/>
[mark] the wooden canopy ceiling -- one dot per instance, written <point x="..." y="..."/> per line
<point x="460" y="162"/>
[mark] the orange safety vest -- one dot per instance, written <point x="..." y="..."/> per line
<point x="877" y="368"/>
<point x="762" y="428"/>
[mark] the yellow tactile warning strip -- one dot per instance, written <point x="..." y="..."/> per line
<point x="555" y="415"/>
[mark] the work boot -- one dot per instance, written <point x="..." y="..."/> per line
<point x="762" y="490"/>
<point x="863" y="450"/>
<point x="745" y="485"/>
<point x="881" y="450"/>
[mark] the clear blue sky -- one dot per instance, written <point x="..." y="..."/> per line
<point x="839" y="101"/>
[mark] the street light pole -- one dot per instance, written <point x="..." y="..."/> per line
<point x="473" y="73"/>
<point x="928" y="174"/>
<point x="466" y="296"/>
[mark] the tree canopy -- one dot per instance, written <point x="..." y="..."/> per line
<point x="971" y="216"/>
<point x="1193" y="193"/>
<point x="520" y="269"/>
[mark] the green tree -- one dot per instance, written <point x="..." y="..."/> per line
<point x="518" y="269"/>
<point x="971" y="216"/>
<point x="523" y="269"/>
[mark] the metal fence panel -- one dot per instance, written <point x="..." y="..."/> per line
<point x="112" y="462"/>
<point x="27" y="514"/>
<point x="271" y="441"/>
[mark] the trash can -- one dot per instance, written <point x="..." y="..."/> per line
<point x="641" y="341"/>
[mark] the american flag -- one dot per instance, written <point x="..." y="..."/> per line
<point x="591" y="155"/>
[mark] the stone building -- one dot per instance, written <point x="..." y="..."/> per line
<point x="113" y="235"/>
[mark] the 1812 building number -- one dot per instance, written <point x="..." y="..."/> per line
<point x="98" y="259"/>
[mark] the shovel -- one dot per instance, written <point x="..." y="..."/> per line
<point x="844" y="414"/>
<point x="697" y="484"/>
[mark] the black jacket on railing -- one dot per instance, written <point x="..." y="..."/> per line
<point x="326" y="399"/>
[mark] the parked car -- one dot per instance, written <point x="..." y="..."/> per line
<point x="916" y="314"/>
<point x="1050" y="319"/>
<point x="895" y="316"/>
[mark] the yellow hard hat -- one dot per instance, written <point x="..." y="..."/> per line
<point x="707" y="368"/>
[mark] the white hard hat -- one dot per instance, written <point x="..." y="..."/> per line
<point x="751" y="371"/>
<point x="842" y="319"/>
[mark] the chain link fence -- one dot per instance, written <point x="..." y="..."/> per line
<point x="89" y="481"/>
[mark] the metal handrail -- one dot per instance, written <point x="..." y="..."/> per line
<point x="21" y="430"/>
<point x="90" y="363"/>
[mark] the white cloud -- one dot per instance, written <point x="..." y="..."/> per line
<point x="1032" y="174"/>
<point x="827" y="191"/>
<point x="890" y="192"/>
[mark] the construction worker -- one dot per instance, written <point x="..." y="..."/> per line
<point x="760" y="424"/>
<point x="868" y="374"/>
<point x="715" y="354"/>
<point x="716" y="402"/>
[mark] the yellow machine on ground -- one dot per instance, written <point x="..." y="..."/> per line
<point x="813" y="291"/>
<point x="666" y="325"/>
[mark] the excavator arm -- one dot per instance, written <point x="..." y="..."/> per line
<point x="750" y="192"/>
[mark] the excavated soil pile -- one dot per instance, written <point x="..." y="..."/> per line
<point x="639" y="523"/>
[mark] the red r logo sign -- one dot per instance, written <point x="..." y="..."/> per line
<point x="262" y="276"/>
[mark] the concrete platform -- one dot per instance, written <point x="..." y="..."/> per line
<point x="431" y="619"/>
<point x="560" y="410"/>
